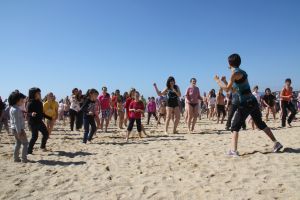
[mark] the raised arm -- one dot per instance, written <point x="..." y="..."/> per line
<point x="159" y="93"/>
<point x="223" y="82"/>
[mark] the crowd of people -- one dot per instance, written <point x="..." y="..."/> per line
<point x="96" y="110"/>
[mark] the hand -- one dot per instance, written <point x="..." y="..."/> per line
<point x="90" y="113"/>
<point x="33" y="114"/>
<point x="223" y="78"/>
<point x="216" y="78"/>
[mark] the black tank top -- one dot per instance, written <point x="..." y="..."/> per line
<point x="172" y="99"/>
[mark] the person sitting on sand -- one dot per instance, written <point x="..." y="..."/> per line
<point x="172" y="92"/>
<point x="136" y="110"/>
<point x="248" y="104"/>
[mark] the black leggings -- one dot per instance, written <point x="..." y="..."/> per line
<point x="149" y="116"/>
<point x="232" y="109"/>
<point x="250" y="108"/>
<point x="75" y="116"/>
<point x="138" y="124"/>
<point x="35" y="128"/>
<point x="285" y="105"/>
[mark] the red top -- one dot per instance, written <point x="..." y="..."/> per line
<point x="137" y="105"/>
<point x="286" y="92"/>
<point x="127" y="104"/>
<point x="104" y="101"/>
<point x="114" y="101"/>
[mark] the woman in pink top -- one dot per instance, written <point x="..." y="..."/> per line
<point x="105" y="108"/>
<point x="192" y="99"/>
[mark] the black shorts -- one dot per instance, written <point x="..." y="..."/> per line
<point x="249" y="108"/>
<point x="221" y="109"/>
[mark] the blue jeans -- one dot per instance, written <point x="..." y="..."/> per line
<point x="87" y="122"/>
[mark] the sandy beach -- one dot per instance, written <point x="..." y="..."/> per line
<point x="181" y="166"/>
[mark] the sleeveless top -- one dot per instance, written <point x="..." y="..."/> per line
<point x="242" y="87"/>
<point x="286" y="93"/>
<point x="172" y="99"/>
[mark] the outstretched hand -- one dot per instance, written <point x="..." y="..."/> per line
<point x="216" y="78"/>
<point x="223" y="79"/>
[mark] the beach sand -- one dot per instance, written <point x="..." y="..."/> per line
<point x="180" y="166"/>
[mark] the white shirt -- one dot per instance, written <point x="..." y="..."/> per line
<point x="257" y="96"/>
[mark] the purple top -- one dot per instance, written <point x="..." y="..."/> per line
<point x="193" y="95"/>
<point x="151" y="106"/>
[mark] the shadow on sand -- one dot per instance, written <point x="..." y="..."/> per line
<point x="59" y="163"/>
<point x="71" y="154"/>
<point x="285" y="150"/>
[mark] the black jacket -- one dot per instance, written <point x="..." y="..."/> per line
<point x="88" y="106"/>
<point x="37" y="107"/>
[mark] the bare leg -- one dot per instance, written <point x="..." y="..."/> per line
<point x="177" y="119"/>
<point x="234" y="141"/>
<point x="189" y="116"/>
<point x="267" y="114"/>
<point x="223" y="117"/>
<point x="101" y="123"/>
<point x="140" y="135"/>
<point x="106" y="124"/>
<point x="169" y="117"/>
<point x="195" y="116"/>
<point x="274" y="113"/>
<point x="270" y="134"/>
<point x="127" y="136"/>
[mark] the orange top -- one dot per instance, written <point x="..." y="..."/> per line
<point x="287" y="93"/>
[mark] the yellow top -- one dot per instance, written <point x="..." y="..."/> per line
<point x="50" y="108"/>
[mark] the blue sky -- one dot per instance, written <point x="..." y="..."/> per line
<point x="60" y="44"/>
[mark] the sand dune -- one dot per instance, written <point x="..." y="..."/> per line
<point x="180" y="166"/>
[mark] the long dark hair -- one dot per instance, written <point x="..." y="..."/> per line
<point x="89" y="92"/>
<point x="213" y="93"/>
<point x="171" y="79"/>
<point x="32" y="92"/>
